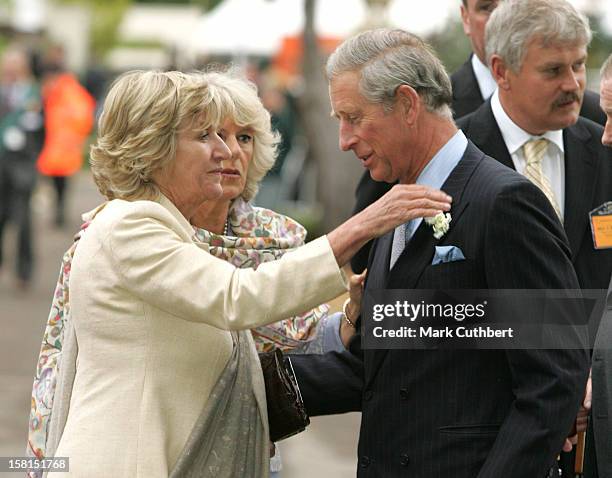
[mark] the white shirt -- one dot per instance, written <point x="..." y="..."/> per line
<point x="484" y="77"/>
<point x="553" y="163"/>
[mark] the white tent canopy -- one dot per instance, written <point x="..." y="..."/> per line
<point x="257" y="27"/>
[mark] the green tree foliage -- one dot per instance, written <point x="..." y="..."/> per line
<point x="451" y="44"/>
<point x="106" y="16"/>
<point x="205" y="4"/>
<point x="601" y="46"/>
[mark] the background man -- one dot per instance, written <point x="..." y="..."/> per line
<point x="21" y="136"/>
<point x="460" y="413"/>
<point x="472" y="85"/>
<point x="537" y="50"/>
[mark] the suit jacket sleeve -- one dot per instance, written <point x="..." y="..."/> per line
<point x="333" y="382"/>
<point x="166" y="270"/>
<point x="548" y="384"/>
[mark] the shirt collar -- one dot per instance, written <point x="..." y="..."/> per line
<point x="484" y="77"/>
<point x="514" y="136"/>
<point x="444" y="161"/>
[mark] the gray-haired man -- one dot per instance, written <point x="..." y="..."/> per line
<point x="537" y="51"/>
<point x="441" y="413"/>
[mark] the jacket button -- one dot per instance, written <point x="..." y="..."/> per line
<point x="404" y="393"/>
<point x="367" y="395"/>
<point x="365" y="461"/>
<point x="404" y="459"/>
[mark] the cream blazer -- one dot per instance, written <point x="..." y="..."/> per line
<point x="152" y="313"/>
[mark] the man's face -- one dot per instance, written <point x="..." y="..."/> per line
<point x="474" y="16"/>
<point x="546" y="94"/>
<point x="605" y="100"/>
<point x="378" y="138"/>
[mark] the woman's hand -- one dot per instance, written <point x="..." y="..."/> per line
<point x="352" y="308"/>
<point x="401" y="204"/>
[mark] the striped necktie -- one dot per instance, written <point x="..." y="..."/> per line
<point x="534" y="151"/>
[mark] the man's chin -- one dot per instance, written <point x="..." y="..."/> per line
<point x="563" y="121"/>
<point x="380" y="178"/>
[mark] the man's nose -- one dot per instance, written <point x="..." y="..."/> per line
<point x="606" y="138"/>
<point x="346" y="137"/>
<point x="573" y="80"/>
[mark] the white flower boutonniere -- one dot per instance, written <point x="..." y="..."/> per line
<point x="440" y="223"/>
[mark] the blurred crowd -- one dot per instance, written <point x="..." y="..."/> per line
<point x="46" y="116"/>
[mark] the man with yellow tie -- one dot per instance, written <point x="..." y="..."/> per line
<point x="536" y="50"/>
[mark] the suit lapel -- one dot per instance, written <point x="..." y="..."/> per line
<point x="466" y="92"/>
<point x="419" y="252"/>
<point x="580" y="172"/>
<point x="378" y="267"/>
<point x="484" y="132"/>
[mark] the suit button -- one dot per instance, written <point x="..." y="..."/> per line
<point x="364" y="462"/>
<point x="404" y="393"/>
<point x="367" y="395"/>
<point x="404" y="459"/>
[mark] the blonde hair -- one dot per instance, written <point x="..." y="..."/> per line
<point x="137" y="133"/>
<point x="248" y="111"/>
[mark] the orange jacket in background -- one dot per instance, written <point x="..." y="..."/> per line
<point x="69" y="117"/>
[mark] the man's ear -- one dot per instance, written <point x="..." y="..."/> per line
<point x="409" y="101"/>
<point x="500" y="72"/>
<point x="465" y="20"/>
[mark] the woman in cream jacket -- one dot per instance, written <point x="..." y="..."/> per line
<point x="163" y="373"/>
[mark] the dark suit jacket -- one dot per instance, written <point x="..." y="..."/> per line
<point x="466" y="99"/>
<point x="588" y="184"/>
<point x="462" y="413"/>
<point x="602" y="394"/>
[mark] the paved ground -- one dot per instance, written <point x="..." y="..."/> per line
<point x="326" y="449"/>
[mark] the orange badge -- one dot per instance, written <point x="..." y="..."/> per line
<point x="601" y="226"/>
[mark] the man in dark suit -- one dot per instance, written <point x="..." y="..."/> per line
<point x="440" y="413"/>
<point x="472" y="85"/>
<point x="598" y="399"/>
<point x="473" y="82"/>
<point x="541" y="79"/>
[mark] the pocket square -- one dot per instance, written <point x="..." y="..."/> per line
<point x="447" y="254"/>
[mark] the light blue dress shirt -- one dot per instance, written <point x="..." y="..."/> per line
<point x="433" y="175"/>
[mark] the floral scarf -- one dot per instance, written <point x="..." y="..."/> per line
<point x="260" y="235"/>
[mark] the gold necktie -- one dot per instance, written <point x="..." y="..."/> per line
<point x="534" y="154"/>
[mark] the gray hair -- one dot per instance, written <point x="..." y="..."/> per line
<point x="515" y="23"/>
<point x="606" y="68"/>
<point x="389" y="58"/>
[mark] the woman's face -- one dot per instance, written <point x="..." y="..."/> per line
<point x="239" y="140"/>
<point x="195" y="174"/>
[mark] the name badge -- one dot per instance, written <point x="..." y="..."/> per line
<point x="601" y="226"/>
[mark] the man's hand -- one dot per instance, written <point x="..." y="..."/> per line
<point x="582" y="419"/>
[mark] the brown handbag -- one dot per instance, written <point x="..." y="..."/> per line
<point x="286" y="412"/>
